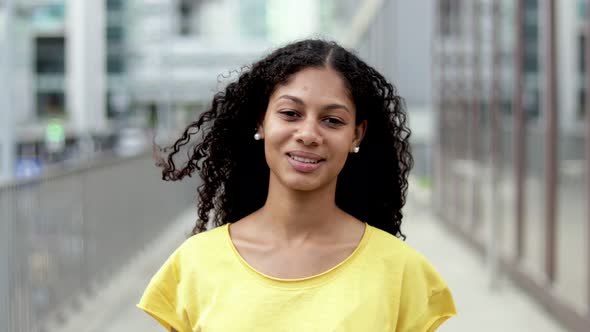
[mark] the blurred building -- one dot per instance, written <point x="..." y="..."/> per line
<point x="59" y="73"/>
<point x="182" y="52"/>
<point x="94" y="67"/>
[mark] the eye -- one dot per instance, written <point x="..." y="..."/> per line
<point x="289" y="114"/>
<point x="334" y="122"/>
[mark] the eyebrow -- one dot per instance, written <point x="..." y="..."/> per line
<point x="300" y="102"/>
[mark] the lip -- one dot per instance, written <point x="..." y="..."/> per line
<point x="304" y="167"/>
<point x="307" y="155"/>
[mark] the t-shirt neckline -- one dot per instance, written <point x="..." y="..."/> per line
<point x="299" y="283"/>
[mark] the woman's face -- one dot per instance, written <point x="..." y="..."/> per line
<point x="309" y="129"/>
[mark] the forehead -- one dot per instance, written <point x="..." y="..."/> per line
<point x="314" y="83"/>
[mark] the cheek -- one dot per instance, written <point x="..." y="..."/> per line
<point x="274" y="141"/>
<point x="339" y="153"/>
<point x="277" y="133"/>
<point x="342" y="150"/>
<point x="342" y="157"/>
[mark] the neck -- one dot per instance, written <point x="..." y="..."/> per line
<point x="294" y="216"/>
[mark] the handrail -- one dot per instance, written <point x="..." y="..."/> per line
<point x="63" y="233"/>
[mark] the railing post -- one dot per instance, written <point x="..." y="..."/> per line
<point x="475" y="146"/>
<point x="551" y="134"/>
<point x="518" y="140"/>
<point x="494" y="233"/>
<point x="587" y="90"/>
<point x="6" y="234"/>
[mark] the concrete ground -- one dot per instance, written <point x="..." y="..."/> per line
<point x="481" y="308"/>
<point x="505" y="309"/>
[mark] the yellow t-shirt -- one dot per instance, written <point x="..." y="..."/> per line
<point x="384" y="285"/>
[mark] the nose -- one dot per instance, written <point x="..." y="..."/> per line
<point x="309" y="134"/>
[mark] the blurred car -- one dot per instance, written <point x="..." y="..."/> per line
<point x="28" y="167"/>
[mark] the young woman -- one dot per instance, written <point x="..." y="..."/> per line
<point x="304" y="161"/>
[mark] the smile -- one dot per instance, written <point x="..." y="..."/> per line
<point x="304" y="160"/>
<point x="306" y="164"/>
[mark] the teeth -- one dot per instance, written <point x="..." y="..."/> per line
<point x="304" y="160"/>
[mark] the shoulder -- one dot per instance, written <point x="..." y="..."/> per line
<point x="172" y="289"/>
<point x="416" y="268"/>
<point x="423" y="297"/>
<point x="391" y="247"/>
<point x="201" y="247"/>
<point x="207" y="238"/>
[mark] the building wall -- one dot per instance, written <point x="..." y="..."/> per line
<point x="86" y="66"/>
<point x="23" y="75"/>
<point x="411" y="40"/>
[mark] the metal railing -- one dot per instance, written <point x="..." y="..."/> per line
<point x="515" y="187"/>
<point x="64" y="234"/>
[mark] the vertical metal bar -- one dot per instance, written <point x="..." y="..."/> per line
<point x="476" y="113"/>
<point x="450" y="113"/>
<point x="6" y="269"/>
<point x="437" y="64"/>
<point x="551" y="132"/>
<point x="493" y="242"/>
<point x="518" y="141"/>
<point x="445" y="167"/>
<point x="469" y="47"/>
<point x="461" y="111"/>
<point x="444" y="113"/>
<point x="587" y="99"/>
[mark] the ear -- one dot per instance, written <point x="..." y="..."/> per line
<point x="359" y="132"/>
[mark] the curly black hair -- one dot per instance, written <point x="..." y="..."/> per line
<point x="373" y="184"/>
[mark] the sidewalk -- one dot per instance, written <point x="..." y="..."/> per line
<point x="508" y="309"/>
<point x="480" y="309"/>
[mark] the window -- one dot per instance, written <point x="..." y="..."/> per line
<point x="50" y="55"/>
<point x="114" y="5"/>
<point x="186" y="11"/>
<point x="115" y="34"/>
<point x="581" y="53"/>
<point x="115" y="64"/>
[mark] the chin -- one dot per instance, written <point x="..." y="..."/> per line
<point x="299" y="184"/>
<point x="303" y="187"/>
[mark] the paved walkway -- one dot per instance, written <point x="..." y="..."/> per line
<point x="507" y="309"/>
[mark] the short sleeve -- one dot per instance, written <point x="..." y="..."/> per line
<point x="162" y="299"/>
<point x="426" y="301"/>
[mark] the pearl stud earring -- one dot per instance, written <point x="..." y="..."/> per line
<point x="356" y="149"/>
<point x="257" y="137"/>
